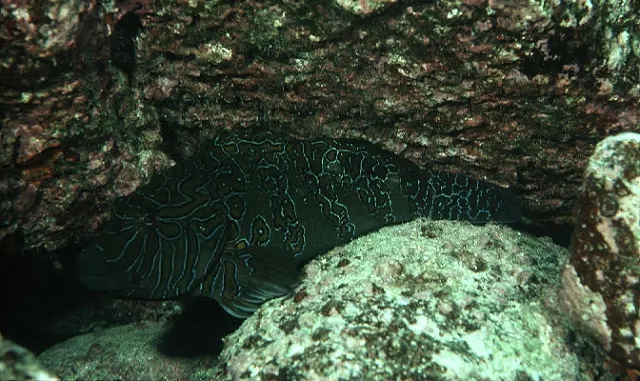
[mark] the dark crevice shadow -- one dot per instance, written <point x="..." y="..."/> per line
<point x="539" y="225"/>
<point x="35" y="289"/>
<point x="198" y="330"/>
<point x="42" y="303"/>
<point x="560" y="234"/>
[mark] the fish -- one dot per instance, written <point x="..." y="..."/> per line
<point x="237" y="221"/>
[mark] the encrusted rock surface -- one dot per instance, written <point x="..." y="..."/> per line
<point x="513" y="92"/>
<point x="17" y="363"/>
<point x="129" y="352"/>
<point x="424" y="300"/>
<point x="601" y="283"/>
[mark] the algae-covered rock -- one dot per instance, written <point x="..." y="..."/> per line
<point x="424" y="300"/>
<point x="600" y="286"/>
<point x="17" y="363"/>
<point x="515" y="92"/>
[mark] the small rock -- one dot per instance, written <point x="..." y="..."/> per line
<point x="129" y="352"/>
<point x="17" y="363"/>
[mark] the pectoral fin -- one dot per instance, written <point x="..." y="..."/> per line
<point x="245" y="279"/>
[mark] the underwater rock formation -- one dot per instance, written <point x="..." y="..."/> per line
<point x="128" y="352"/>
<point x="423" y="300"/>
<point x="17" y="363"/>
<point x="514" y="93"/>
<point x="601" y="282"/>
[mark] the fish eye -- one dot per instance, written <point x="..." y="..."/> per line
<point x="149" y="219"/>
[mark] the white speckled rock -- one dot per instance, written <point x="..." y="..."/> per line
<point x="424" y="300"/>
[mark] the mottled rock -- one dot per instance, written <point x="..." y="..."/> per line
<point x="512" y="92"/>
<point x="363" y="7"/>
<point x="424" y="300"/>
<point x="57" y="135"/>
<point x="601" y="283"/>
<point x="129" y="352"/>
<point x="17" y="363"/>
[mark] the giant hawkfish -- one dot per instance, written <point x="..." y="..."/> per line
<point x="237" y="221"/>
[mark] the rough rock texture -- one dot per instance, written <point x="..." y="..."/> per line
<point x="129" y="352"/>
<point x="424" y="300"/>
<point x="601" y="283"/>
<point x="516" y="92"/>
<point x="59" y="148"/>
<point x="17" y="363"/>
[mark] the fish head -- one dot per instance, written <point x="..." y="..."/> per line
<point x="154" y="247"/>
<point x="111" y="260"/>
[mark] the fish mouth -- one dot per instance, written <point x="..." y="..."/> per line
<point x="94" y="272"/>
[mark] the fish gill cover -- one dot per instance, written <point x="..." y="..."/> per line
<point x="237" y="221"/>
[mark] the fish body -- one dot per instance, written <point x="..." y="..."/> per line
<point x="237" y="221"/>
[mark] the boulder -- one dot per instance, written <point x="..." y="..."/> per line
<point x="601" y="282"/>
<point x="423" y="300"/>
